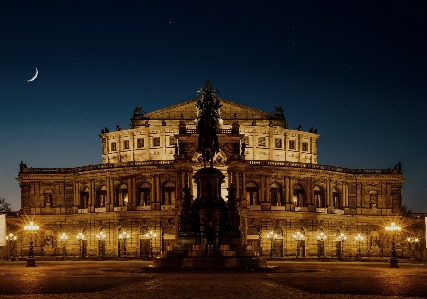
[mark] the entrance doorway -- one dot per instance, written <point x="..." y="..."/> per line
<point x="144" y="248"/>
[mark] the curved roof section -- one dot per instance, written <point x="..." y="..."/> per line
<point x="228" y="110"/>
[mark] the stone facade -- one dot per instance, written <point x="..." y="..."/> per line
<point x="279" y="187"/>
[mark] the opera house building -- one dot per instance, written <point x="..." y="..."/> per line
<point x="289" y="205"/>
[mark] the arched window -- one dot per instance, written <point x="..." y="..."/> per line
<point x="122" y="196"/>
<point x="278" y="230"/>
<point x="298" y="195"/>
<point x="84" y="198"/>
<point x="275" y="194"/>
<point x="336" y="198"/>
<point x="318" y="197"/>
<point x="252" y="230"/>
<point x="144" y="194"/>
<point x="143" y="230"/>
<point x="48" y="197"/>
<point x="102" y="196"/>
<point x="168" y="193"/>
<point x="373" y="197"/>
<point x="252" y="193"/>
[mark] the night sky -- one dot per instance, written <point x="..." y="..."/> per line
<point x="354" y="70"/>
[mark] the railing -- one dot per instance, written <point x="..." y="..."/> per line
<point x="219" y="131"/>
<point x="169" y="162"/>
<point x="96" y="167"/>
<point x="321" y="167"/>
<point x="418" y="215"/>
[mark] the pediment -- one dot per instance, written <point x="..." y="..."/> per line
<point x="228" y="109"/>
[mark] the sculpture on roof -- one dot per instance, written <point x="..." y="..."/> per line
<point x="208" y="113"/>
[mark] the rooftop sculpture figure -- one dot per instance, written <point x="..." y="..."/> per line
<point x="208" y="113"/>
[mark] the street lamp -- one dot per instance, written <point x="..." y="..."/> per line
<point x="359" y="238"/>
<point x="101" y="244"/>
<point x="31" y="227"/>
<point x="412" y="241"/>
<point x="63" y="237"/>
<point x="151" y="235"/>
<point x="272" y="236"/>
<point x="321" y="237"/>
<point x="11" y="238"/>
<point x="298" y="236"/>
<point x="80" y="237"/>
<point x="123" y="236"/>
<point x="341" y="238"/>
<point x="393" y="229"/>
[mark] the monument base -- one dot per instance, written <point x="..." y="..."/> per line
<point x="394" y="263"/>
<point x="209" y="256"/>
<point x="31" y="262"/>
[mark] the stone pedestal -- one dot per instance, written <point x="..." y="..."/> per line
<point x="31" y="262"/>
<point x="394" y="263"/>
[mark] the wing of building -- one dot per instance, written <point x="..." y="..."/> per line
<point x="279" y="187"/>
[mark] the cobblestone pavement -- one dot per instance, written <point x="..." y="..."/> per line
<point x="132" y="279"/>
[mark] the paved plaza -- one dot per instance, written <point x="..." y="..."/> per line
<point x="290" y="279"/>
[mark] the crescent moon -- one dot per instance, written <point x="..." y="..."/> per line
<point x="34" y="77"/>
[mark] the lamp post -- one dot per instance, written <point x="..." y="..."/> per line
<point x="123" y="236"/>
<point x="321" y="237"/>
<point x="63" y="237"/>
<point x="31" y="227"/>
<point x="80" y="237"/>
<point x="341" y="238"/>
<point x="11" y="238"/>
<point x="101" y="244"/>
<point x="298" y="236"/>
<point x="151" y="235"/>
<point x="359" y="238"/>
<point x="393" y="229"/>
<point x="412" y="241"/>
<point x="272" y="236"/>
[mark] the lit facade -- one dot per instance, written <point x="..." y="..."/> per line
<point x="279" y="187"/>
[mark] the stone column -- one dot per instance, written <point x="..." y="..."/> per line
<point x="328" y="192"/>
<point x="76" y="194"/>
<point x="134" y="192"/>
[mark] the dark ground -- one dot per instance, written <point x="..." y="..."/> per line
<point x="131" y="279"/>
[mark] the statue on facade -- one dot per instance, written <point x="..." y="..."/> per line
<point x="138" y="111"/>
<point x="208" y="113"/>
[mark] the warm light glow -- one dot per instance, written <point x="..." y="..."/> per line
<point x="31" y="226"/>
<point x="341" y="237"/>
<point x="295" y="200"/>
<point x="412" y="239"/>
<point x="11" y="237"/>
<point x="63" y="237"/>
<point x="80" y="236"/>
<point x="271" y="235"/>
<point x="393" y="227"/>
<point x="101" y="235"/>
<point x="123" y="235"/>
<point x="150" y="234"/>
<point x="299" y="236"/>
<point x="359" y="237"/>
<point x="321" y="236"/>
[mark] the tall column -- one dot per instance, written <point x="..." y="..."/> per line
<point x="76" y="193"/>
<point x="285" y="145"/>
<point x="158" y="198"/>
<point x="328" y="192"/>
<point x="237" y="185"/>
<point x="108" y="199"/>
<point x="92" y="193"/>
<point x="243" y="196"/>
<point x="134" y="189"/>
<point x="287" y="190"/>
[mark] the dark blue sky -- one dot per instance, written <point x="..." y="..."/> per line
<point x="355" y="70"/>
